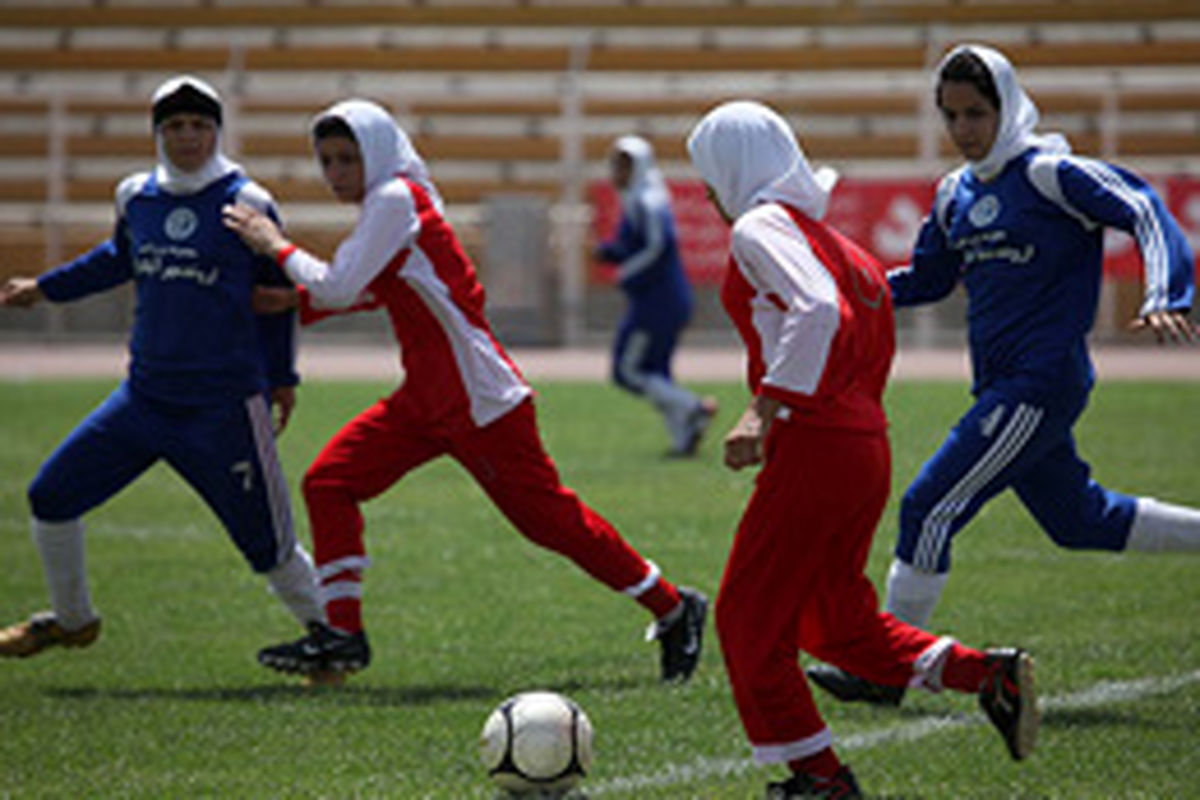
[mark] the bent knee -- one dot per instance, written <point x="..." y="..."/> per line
<point x="628" y="378"/>
<point x="323" y="477"/>
<point x="48" y="502"/>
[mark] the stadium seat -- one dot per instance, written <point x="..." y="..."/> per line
<point x="481" y="85"/>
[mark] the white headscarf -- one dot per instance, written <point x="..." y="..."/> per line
<point x="748" y="154"/>
<point x="385" y="149"/>
<point x="166" y="174"/>
<point x="1018" y="115"/>
<point x="645" y="179"/>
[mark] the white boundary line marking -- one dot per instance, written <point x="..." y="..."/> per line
<point x="1100" y="694"/>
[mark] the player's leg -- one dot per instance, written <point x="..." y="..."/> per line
<point x="992" y="444"/>
<point x="772" y="571"/>
<point x="690" y="413"/>
<point x="369" y="454"/>
<point x="843" y="625"/>
<point x="642" y="364"/>
<point x="228" y="455"/>
<point x="508" y="461"/>
<point x="105" y="452"/>
<point x="847" y="481"/>
<point x="1074" y="511"/>
<point x="1079" y="513"/>
<point x="1160" y="527"/>
<point x="790" y="552"/>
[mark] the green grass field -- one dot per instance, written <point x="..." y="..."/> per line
<point x="463" y="612"/>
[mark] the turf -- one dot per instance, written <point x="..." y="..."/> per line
<point x="462" y="612"/>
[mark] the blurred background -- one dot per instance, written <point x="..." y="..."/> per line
<point x="514" y="104"/>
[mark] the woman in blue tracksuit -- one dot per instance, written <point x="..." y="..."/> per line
<point x="1021" y="227"/>
<point x="650" y="273"/>
<point x="202" y="369"/>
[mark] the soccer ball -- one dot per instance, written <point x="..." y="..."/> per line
<point x="537" y="743"/>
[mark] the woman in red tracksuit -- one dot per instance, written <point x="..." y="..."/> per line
<point x="462" y="396"/>
<point x="815" y="314"/>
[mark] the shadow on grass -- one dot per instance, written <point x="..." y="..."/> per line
<point x="338" y="695"/>
<point x="348" y="694"/>
<point x="609" y="684"/>
<point x="1067" y="718"/>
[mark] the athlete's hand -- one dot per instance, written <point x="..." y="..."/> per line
<point x="283" y="400"/>
<point x="1167" y="326"/>
<point x="20" y="293"/>
<point x="744" y="442"/>
<point x="258" y="231"/>
<point x="274" y="299"/>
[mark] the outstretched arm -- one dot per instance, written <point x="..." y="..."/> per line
<point x="21" y="293"/>
<point x="1112" y="196"/>
<point x="388" y="223"/>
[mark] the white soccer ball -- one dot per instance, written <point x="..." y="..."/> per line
<point x="537" y="743"/>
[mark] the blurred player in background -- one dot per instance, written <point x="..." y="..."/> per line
<point x="1021" y="227"/>
<point x="815" y="314"/>
<point x="202" y="366"/>
<point x="650" y="273"/>
<point x="462" y="396"/>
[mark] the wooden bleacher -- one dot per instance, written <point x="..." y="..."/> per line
<point x="486" y="140"/>
<point x="607" y="58"/>
<point x="645" y="14"/>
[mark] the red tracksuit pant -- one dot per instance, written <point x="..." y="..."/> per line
<point x="794" y="582"/>
<point x="383" y="443"/>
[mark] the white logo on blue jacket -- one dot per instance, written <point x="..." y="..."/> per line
<point x="180" y="223"/>
<point x="984" y="211"/>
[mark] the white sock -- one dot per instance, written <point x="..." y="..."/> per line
<point x="675" y="403"/>
<point x="1163" y="528"/>
<point x="295" y="583"/>
<point x="928" y="669"/>
<point x="60" y="545"/>
<point x="912" y="594"/>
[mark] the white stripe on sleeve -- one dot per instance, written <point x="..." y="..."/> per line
<point x="655" y="242"/>
<point x="1147" y="231"/>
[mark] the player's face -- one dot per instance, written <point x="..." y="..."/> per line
<point x="971" y="119"/>
<point x="189" y="140"/>
<point x="622" y="169"/>
<point x="342" y="168"/>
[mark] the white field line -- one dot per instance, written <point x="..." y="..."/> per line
<point x="1100" y="694"/>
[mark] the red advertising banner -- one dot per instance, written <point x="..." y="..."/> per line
<point x="703" y="235"/>
<point x="881" y="215"/>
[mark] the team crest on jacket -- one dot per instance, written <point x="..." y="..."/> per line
<point x="180" y="224"/>
<point x="985" y="211"/>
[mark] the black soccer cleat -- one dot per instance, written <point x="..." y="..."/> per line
<point x="1009" y="699"/>
<point x="851" y="688"/>
<point x="323" y="651"/>
<point x="682" y="639"/>
<point x="840" y="787"/>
